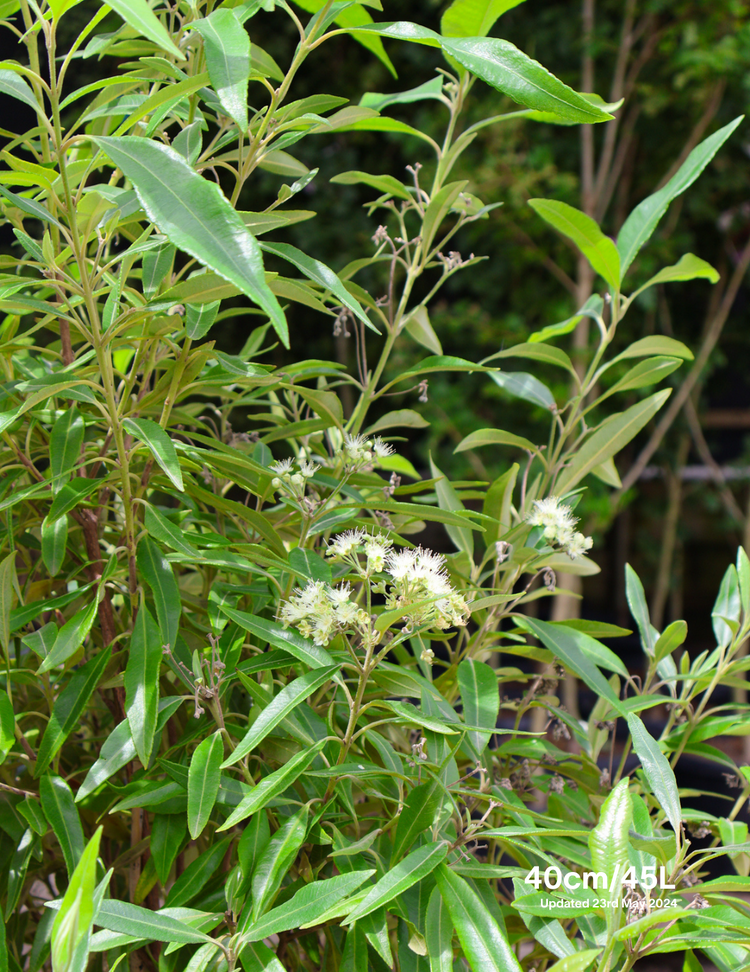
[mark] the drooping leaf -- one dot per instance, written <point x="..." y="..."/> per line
<point x="473" y="18"/>
<point x="520" y="384"/>
<point x="196" y="217"/>
<point x="15" y="86"/>
<point x="153" y="436"/>
<point x="598" y="249"/>
<point x="203" y="782"/>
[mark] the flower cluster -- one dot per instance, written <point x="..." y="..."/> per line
<point x="359" y="451"/>
<point x="559" y="524"/>
<point x="319" y="611"/>
<point x="415" y="583"/>
<point x="291" y="482"/>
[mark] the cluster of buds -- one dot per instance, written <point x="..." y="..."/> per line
<point x="358" y="452"/>
<point x="558" y="525"/>
<point x="291" y="482"/>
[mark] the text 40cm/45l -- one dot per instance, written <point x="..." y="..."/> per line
<point x="553" y="878"/>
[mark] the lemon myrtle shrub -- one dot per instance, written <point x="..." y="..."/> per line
<point x="248" y="719"/>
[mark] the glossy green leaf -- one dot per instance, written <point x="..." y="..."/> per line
<point x="609" y="848"/>
<point x="644" y="219"/>
<point x="196" y="216"/>
<point x="638" y="605"/>
<point x="320" y="274"/>
<point x="157" y="263"/>
<point x="546" y="353"/>
<point x="671" y="638"/>
<point x="354" y="953"/>
<point x="473" y="18"/>
<point x="520" y="384"/>
<point x="7" y="726"/>
<point x="275" y="634"/>
<point x="645" y="373"/>
<point x="138" y="15"/>
<point x="165" y="531"/>
<point x="482" y="940"/>
<point x="203" y="782"/>
<point x="200" y="318"/>
<point x="153" y="436"/>
<point x="688" y="267"/>
<point x="70" y="637"/>
<point x="129" y="919"/>
<point x="272" y="786"/>
<point x="141" y="681"/>
<point x="68" y="707"/>
<point x="168" y="832"/>
<point x="14" y="86"/>
<point x="480" y="699"/>
<point x="726" y="611"/>
<point x="307" y="905"/>
<point x="655" y="344"/>
<point x="197" y="874"/>
<point x="430" y="89"/>
<point x="62" y="815"/>
<point x="275" y="860"/>
<point x="598" y="249"/>
<point x="72" y="924"/>
<point x="659" y="773"/>
<point x="398" y="879"/>
<point x="226" y="46"/>
<point x="416" y="817"/>
<point x="612" y="436"/>
<point x="54" y="543"/>
<point x="65" y="446"/>
<point x="282" y="705"/>
<point x="158" y="575"/>
<point x="438" y="934"/>
<point x="383" y="183"/>
<point x="71" y="495"/>
<point x="580" y="961"/>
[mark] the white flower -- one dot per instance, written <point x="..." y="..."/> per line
<point x="556" y="518"/>
<point x="339" y="595"/>
<point x="427" y="655"/>
<point x="376" y="548"/>
<point x="577" y="545"/>
<point x="382" y="449"/>
<point x="400" y="564"/>
<point x="346" y="543"/>
<point x="308" y="469"/>
<point x="282" y="466"/>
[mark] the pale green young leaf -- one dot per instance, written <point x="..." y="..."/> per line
<point x="670" y="639"/>
<point x="400" y="878"/>
<point x="429" y="90"/>
<point x="11" y="84"/>
<point x="417" y="324"/>
<point x="73" y="921"/>
<point x="195" y="215"/>
<point x="536" y="351"/>
<point x="580" y="961"/>
<point x="688" y="267"/>
<point x="598" y="249"/>
<point x="727" y="608"/>
<point x="383" y="183"/>
<point x="482" y="940"/>
<point x="154" y="926"/>
<point x="520" y="384"/>
<point x="485" y="437"/>
<point x="203" y="782"/>
<point x="473" y="18"/>
<point x="153" y="436"/>
<point x="226" y="46"/>
<point x="141" y="682"/>
<point x="139" y="15"/>
<point x="612" y="436"/>
<point x="644" y="219"/>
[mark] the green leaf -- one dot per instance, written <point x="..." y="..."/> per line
<point x="168" y="832"/>
<point x="272" y="786"/>
<point x="141" y="681"/>
<point x="727" y="608"/>
<point x="153" y="436"/>
<point x="416" y="817"/>
<point x="307" y="905"/>
<point x="7" y="726"/>
<point x="200" y="318"/>
<point x="480" y="699"/>
<point x="197" y="874"/>
<point x="54" y="543"/>
<point x="598" y="249"/>
<point x="65" y="446"/>
<point x="438" y="934"/>
<point x="194" y="214"/>
<point x="70" y="637"/>
<point x="671" y="638"/>
<point x="73" y="921"/>
<point x="430" y="89"/>
<point x="483" y="437"/>
<point x="473" y="18"/>
<point x="226" y="46"/>
<point x="282" y="705"/>
<point x="659" y="773"/>
<point x="447" y="497"/>
<point x="320" y="274"/>
<point x="68" y="707"/>
<point x="275" y="860"/>
<point x="520" y="384"/>
<point x="688" y="267"/>
<point x="398" y="879"/>
<point x="609" y="847"/>
<point x="413" y="716"/>
<point x="159" y="577"/>
<point x="11" y="84"/>
<point x="482" y="940"/>
<point x="302" y="648"/>
<point x="62" y="815"/>
<point x="645" y="373"/>
<point x="655" y="344"/>
<point x="203" y="782"/>
<point x="612" y="436"/>
<point x="644" y="219"/>
<point x="638" y="605"/>
<point x="546" y="353"/>
<point x="501" y="65"/>
<point x="565" y="643"/>
<point x="71" y="495"/>
<point x="7" y="578"/>
<point x="129" y="919"/>
<point x="417" y="324"/>
<point x="580" y="961"/>
<point x="138" y="15"/>
<point x="383" y="183"/>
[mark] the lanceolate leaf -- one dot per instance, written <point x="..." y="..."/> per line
<point x="196" y="217"/>
<point x="473" y="18"/>
<point x="483" y="943"/>
<point x="142" y="683"/>
<point x="398" y="879"/>
<point x="203" y="782"/>
<point x="644" y="219"/>
<point x="598" y="249"/>
<point x="480" y="699"/>
<point x="65" y="446"/>
<point x="284" y="703"/>
<point x="159" y="577"/>
<point x="73" y="921"/>
<point x="417" y="816"/>
<point x="129" y="919"/>
<point x="275" y="860"/>
<point x="70" y="637"/>
<point x="11" y="84"/>
<point x="227" y="48"/>
<point x="157" y="440"/>
<point x="439" y="934"/>
<point x="62" y="815"/>
<point x="659" y="773"/>
<point x="138" y="15"/>
<point x="609" y="439"/>
<point x="67" y="709"/>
